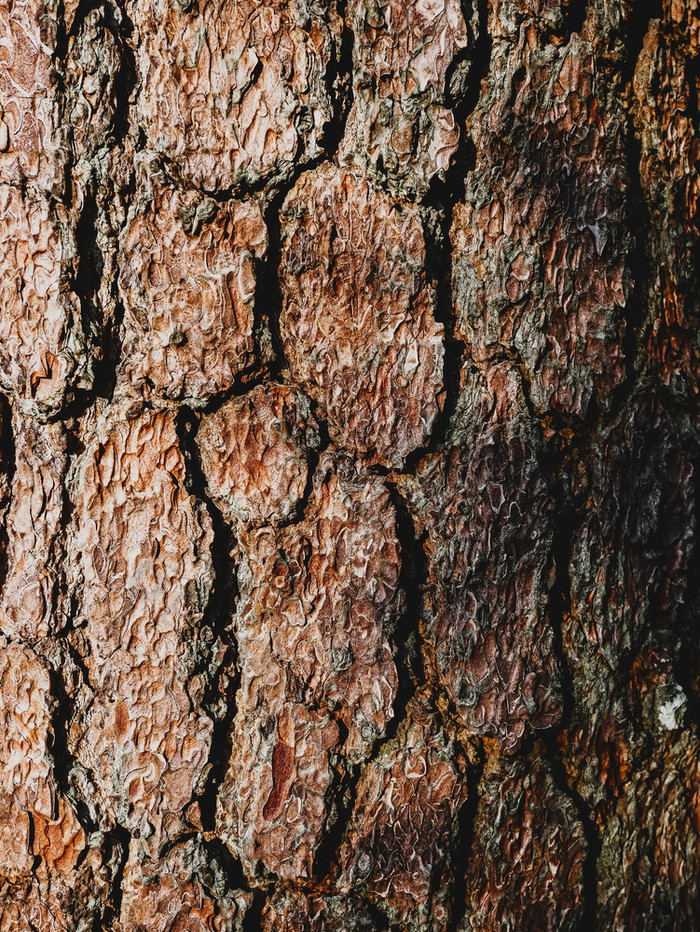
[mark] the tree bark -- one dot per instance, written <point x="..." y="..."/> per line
<point x="349" y="357"/>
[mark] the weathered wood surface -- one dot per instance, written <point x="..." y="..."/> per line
<point x="350" y="441"/>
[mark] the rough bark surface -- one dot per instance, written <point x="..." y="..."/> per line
<point x="349" y="457"/>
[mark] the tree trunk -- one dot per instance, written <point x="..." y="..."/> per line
<point x="350" y="445"/>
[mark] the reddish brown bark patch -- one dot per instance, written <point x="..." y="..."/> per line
<point x="250" y="102"/>
<point x="185" y="890"/>
<point x="254" y="452"/>
<point x="317" y="604"/>
<point x="399" y="121"/>
<point x="398" y="843"/>
<point x="42" y="345"/>
<point x="527" y="865"/>
<point x="34" y="146"/>
<point x="541" y="246"/>
<point x="141" y="555"/>
<point x="358" y="320"/>
<point x="188" y="284"/>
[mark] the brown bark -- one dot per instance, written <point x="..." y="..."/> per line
<point x="350" y="409"/>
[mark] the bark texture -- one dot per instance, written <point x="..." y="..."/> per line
<point x="349" y="455"/>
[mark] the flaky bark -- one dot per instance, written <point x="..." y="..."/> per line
<point x="350" y="410"/>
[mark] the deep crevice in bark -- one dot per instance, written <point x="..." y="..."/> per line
<point x="636" y="309"/>
<point x="464" y="842"/>
<point x="268" y="295"/>
<point x="409" y="662"/>
<point x="9" y="465"/>
<point x="640" y="16"/>
<point x="405" y="639"/>
<point x="117" y="843"/>
<point x="437" y="218"/>
<point x="480" y="58"/>
<point x="219" y="699"/>
<point x="252" y="921"/>
<point x="341" y="797"/>
<point x="559" y="466"/>
<point x="231" y="866"/>
<point x="575" y="13"/>
<point x="339" y="80"/>
<point x="102" y="332"/>
<point x="687" y="664"/>
<point x="313" y="457"/>
<point x="63" y="760"/>
<point x="436" y="214"/>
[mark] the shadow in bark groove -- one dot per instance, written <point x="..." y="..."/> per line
<point x="343" y="801"/>
<point x="116" y="844"/>
<point x="410" y="677"/>
<point x="339" y="81"/>
<point x="92" y="268"/>
<point x="559" y="604"/>
<point x="575" y="12"/>
<point x="436" y="214"/>
<point x="635" y="311"/>
<point x="312" y="458"/>
<point x="222" y="681"/>
<point x="412" y="578"/>
<point x="268" y="295"/>
<point x="63" y="760"/>
<point x="640" y="17"/>
<point x="687" y="665"/>
<point x="465" y="839"/>
<point x="252" y="921"/>
<point x="480" y="57"/>
<point x="590" y="832"/>
<point x="229" y="864"/>
<point x="8" y="464"/>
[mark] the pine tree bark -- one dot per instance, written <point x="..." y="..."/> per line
<point x="349" y="374"/>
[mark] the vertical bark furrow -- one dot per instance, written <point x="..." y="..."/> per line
<point x="317" y="605"/>
<point x="540" y="245"/>
<point x="404" y="823"/>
